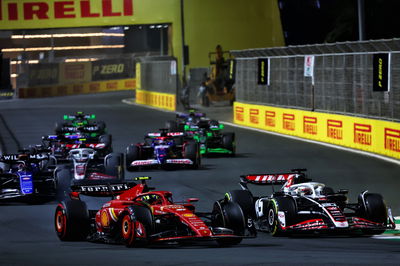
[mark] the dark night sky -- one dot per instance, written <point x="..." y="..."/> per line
<point x="319" y="21"/>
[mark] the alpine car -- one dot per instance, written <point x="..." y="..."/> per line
<point x="165" y="149"/>
<point x="27" y="176"/>
<point x="87" y="168"/>
<point x="60" y="145"/>
<point x="206" y="132"/>
<point x="81" y="122"/>
<point x="134" y="215"/>
<point x="302" y="206"/>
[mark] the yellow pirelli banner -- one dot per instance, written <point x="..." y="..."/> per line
<point x="79" y="88"/>
<point x="376" y="136"/>
<point x="156" y="99"/>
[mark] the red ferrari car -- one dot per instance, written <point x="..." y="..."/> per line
<point x="133" y="214"/>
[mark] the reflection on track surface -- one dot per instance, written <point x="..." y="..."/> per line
<point x="27" y="232"/>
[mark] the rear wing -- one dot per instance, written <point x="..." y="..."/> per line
<point x="193" y="113"/>
<point x="101" y="188"/>
<point x="79" y="115"/>
<point x="11" y="158"/>
<point x="168" y="134"/>
<point x="296" y="176"/>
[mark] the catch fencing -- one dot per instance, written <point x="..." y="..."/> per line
<point x="342" y="79"/>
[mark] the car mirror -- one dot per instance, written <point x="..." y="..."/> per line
<point x="191" y="200"/>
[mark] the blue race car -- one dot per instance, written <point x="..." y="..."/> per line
<point x="163" y="149"/>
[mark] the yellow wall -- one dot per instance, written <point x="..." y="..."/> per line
<point x="234" y="24"/>
<point x="376" y="136"/>
<point x="165" y="101"/>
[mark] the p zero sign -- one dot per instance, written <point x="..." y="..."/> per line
<point x="381" y="72"/>
<point x="263" y="66"/>
<point x="27" y="14"/>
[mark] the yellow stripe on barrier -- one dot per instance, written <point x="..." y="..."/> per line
<point x="80" y="88"/>
<point x="156" y="99"/>
<point x="376" y="136"/>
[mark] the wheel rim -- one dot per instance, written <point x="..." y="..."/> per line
<point x="60" y="221"/>
<point x="271" y="217"/>
<point x="126" y="227"/>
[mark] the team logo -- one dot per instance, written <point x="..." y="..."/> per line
<point x="239" y="113"/>
<point x="254" y="116"/>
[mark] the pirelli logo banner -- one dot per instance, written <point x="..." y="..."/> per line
<point x="376" y="136"/>
<point x="43" y="74"/>
<point x="262" y="71"/>
<point x="30" y="14"/>
<point x="156" y="99"/>
<point x="112" y="69"/>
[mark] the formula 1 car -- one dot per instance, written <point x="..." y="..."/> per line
<point x="60" y="145"/>
<point x="87" y="168"/>
<point x="134" y="215"/>
<point x="81" y="122"/>
<point x="27" y="176"/>
<point x="165" y="149"/>
<point x="302" y="206"/>
<point x="206" y="132"/>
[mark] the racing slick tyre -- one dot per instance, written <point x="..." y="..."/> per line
<point x="63" y="179"/>
<point x="191" y="151"/>
<point x="172" y="126"/>
<point x="136" y="226"/>
<point x="245" y="199"/>
<point x="284" y="204"/>
<point x="107" y="140"/>
<point x="132" y="154"/>
<point x="101" y="125"/>
<point x="58" y="127"/>
<point x="373" y="208"/>
<point x="228" y="142"/>
<point x="114" y="165"/>
<point x="229" y="215"/>
<point x="71" y="220"/>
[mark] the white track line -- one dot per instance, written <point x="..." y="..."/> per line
<point x="376" y="156"/>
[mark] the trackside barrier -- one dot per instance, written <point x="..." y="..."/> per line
<point x="156" y="99"/>
<point x="376" y="136"/>
<point x="80" y="88"/>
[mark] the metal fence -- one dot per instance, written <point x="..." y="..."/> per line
<point x="343" y="78"/>
<point x="159" y="74"/>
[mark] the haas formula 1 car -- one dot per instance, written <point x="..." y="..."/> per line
<point x="206" y="132"/>
<point x="132" y="214"/>
<point x="163" y="149"/>
<point x="27" y="175"/>
<point x="60" y="145"/>
<point x="303" y="206"/>
<point x="86" y="168"/>
<point x="81" y="122"/>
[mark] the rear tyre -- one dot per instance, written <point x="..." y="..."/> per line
<point x="114" y="165"/>
<point x="373" y="208"/>
<point x="228" y="142"/>
<point x="192" y="152"/>
<point x="101" y="125"/>
<point x="63" y="179"/>
<point x="58" y="128"/>
<point x="132" y="154"/>
<point x="172" y="126"/>
<point x="71" y="221"/>
<point x="245" y="199"/>
<point x="107" y="140"/>
<point x="136" y="226"/>
<point x="229" y="215"/>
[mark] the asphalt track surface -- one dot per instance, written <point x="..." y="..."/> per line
<point x="27" y="234"/>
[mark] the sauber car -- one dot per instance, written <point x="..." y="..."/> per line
<point x="27" y="175"/>
<point x="163" y="149"/>
<point x="135" y="215"/>
<point x="207" y="132"/>
<point x="81" y="122"/>
<point x="305" y="206"/>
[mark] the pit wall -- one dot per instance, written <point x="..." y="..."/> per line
<point x="79" y="88"/>
<point x="375" y="136"/>
<point x="165" y="101"/>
